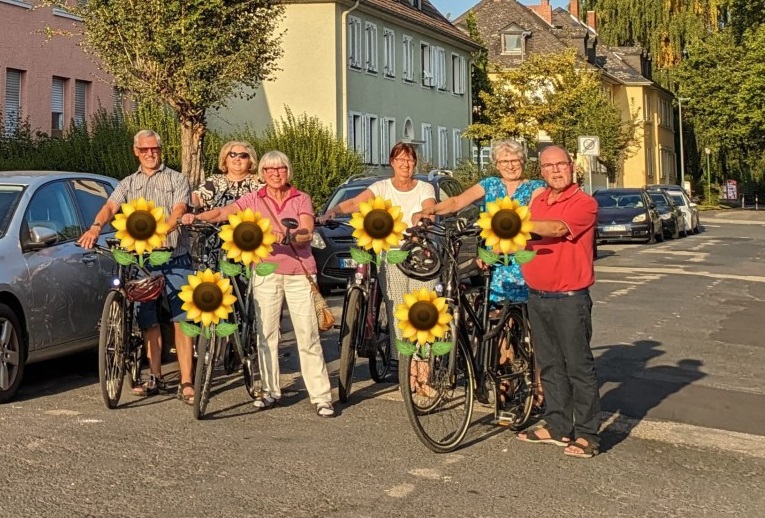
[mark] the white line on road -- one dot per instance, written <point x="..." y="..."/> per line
<point x="694" y="257"/>
<point x="676" y="271"/>
<point x="733" y="221"/>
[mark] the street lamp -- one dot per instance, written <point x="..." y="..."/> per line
<point x="709" y="177"/>
<point x="680" y="101"/>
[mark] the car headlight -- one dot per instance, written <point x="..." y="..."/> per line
<point x="668" y="215"/>
<point x="317" y="241"/>
<point x="639" y="218"/>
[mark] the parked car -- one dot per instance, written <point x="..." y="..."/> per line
<point x="627" y="215"/>
<point x="686" y="205"/>
<point x="672" y="219"/>
<point x="51" y="291"/>
<point x="331" y="247"/>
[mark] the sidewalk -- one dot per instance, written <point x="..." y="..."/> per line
<point x="733" y="216"/>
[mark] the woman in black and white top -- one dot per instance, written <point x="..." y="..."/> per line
<point x="238" y="176"/>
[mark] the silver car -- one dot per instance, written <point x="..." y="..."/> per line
<point x="51" y="291"/>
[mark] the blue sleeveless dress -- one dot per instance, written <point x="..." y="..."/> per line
<point x="507" y="281"/>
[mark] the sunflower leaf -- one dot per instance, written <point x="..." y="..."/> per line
<point x="524" y="256"/>
<point x="405" y="348"/>
<point x="361" y="256"/>
<point x="441" y="348"/>
<point x="190" y="329"/>
<point x="159" y="258"/>
<point x="487" y="256"/>
<point x="225" y="329"/>
<point x="122" y="257"/>
<point x="230" y="269"/>
<point x="396" y="256"/>
<point x="264" y="269"/>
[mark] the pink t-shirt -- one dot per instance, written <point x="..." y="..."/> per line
<point x="295" y="204"/>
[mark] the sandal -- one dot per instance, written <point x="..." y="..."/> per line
<point x="264" y="402"/>
<point x="186" y="398"/>
<point x="149" y="387"/>
<point x="325" y="410"/>
<point x="533" y="437"/>
<point x="588" y="450"/>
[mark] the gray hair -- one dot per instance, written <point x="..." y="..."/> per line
<point x="555" y="146"/>
<point x="510" y="146"/>
<point x="274" y="159"/>
<point x="146" y="133"/>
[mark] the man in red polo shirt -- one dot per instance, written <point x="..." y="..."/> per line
<point x="560" y="308"/>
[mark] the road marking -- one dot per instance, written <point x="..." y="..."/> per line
<point x="401" y="490"/>
<point x="63" y="412"/>
<point x="733" y="221"/>
<point x="429" y="473"/>
<point x="676" y="271"/>
<point x="711" y="226"/>
<point x="694" y="257"/>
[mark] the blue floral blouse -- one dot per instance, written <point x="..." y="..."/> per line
<point x="507" y="281"/>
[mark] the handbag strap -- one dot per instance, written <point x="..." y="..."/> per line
<point x="305" y="270"/>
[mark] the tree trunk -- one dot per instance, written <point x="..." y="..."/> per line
<point x="193" y="131"/>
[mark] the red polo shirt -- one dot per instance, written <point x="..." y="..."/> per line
<point x="563" y="263"/>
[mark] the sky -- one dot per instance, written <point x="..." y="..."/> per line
<point x="457" y="7"/>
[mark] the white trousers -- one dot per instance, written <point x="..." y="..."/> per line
<point x="269" y="293"/>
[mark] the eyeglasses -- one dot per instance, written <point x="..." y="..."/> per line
<point x="556" y="165"/>
<point x="147" y="150"/>
<point x="404" y="160"/>
<point x="505" y="163"/>
<point x="278" y="170"/>
<point x="234" y="154"/>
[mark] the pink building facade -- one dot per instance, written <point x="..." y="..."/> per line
<point x="47" y="82"/>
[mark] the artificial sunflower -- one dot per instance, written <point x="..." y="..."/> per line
<point x="506" y="225"/>
<point x="423" y="316"/>
<point x="208" y="297"/>
<point x="141" y="226"/>
<point x="378" y="225"/>
<point x="248" y="237"/>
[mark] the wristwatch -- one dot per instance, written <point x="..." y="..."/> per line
<point x="97" y="224"/>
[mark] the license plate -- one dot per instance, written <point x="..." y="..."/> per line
<point x="615" y="228"/>
<point x="348" y="263"/>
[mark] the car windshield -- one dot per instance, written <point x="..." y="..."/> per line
<point x="619" y="200"/>
<point x="659" y="200"/>
<point x="678" y="199"/>
<point x="9" y="198"/>
<point x="346" y="193"/>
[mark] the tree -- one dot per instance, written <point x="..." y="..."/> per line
<point x="193" y="55"/>
<point x="479" y="74"/>
<point x="554" y="94"/>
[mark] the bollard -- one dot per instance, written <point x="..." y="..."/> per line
<point x="743" y="203"/>
<point x="756" y="201"/>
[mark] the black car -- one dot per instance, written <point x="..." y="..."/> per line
<point x="670" y="214"/>
<point x="627" y="215"/>
<point x="331" y="247"/>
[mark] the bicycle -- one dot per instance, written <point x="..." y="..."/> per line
<point x="243" y="348"/>
<point x="120" y="344"/>
<point x="363" y="327"/>
<point x="439" y="398"/>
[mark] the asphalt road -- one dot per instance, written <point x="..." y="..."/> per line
<point x="679" y="349"/>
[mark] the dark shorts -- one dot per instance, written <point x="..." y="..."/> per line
<point x="176" y="273"/>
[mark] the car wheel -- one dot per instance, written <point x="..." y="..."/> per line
<point x="651" y="236"/>
<point x="676" y="230"/>
<point x="11" y="354"/>
<point x="696" y="229"/>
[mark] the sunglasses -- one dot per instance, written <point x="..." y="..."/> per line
<point x="147" y="150"/>
<point x="234" y="154"/>
<point x="280" y="169"/>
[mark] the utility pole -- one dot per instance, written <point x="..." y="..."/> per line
<point x="680" y="101"/>
<point x="709" y="177"/>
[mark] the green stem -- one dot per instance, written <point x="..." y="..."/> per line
<point x="140" y="260"/>
<point x="507" y="260"/>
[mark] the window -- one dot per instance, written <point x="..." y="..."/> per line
<point x="427" y="57"/>
<point x="457" y="147"/>
<point x="439" y="70"/>
<point x="512" y="43"/>
<point x="51" y="208"/>
<point x="443" y="148"/>
<point x="91" y="196"/>
<point x="668" y="165"/>
<point x="387" y="137"/>
<point x="81" y="102"/>
<point x="427" y="145"/>
<point x="665" y="114"/>
<point x="408" y="59"/>
<point x="482" y="156"/>
<point x="12" y="109"/>
<point x="355" y="133"/>
<point x="414" y="3"/>
<point x="371" y="132"/>
<point x="354" y="42"/>
<point x="389" y="53"/>
<point x="647" y="108"/>
<point x="371" y="47"/>
<point x="459" y="73"/>
<point x="57" y="107"/>
<point x="649" y="163"/>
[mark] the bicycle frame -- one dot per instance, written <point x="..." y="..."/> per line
<point x="365" y="280"/>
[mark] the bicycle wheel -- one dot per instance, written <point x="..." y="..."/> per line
<point x="207" y="351"/>
<point x="248" y="340"/>
<point x="518" y="403"/>
<point x="439" y="404"/>
<point x="379" y="364"/>
<point x="111" y="348"/>
<point x="350" y="334"/>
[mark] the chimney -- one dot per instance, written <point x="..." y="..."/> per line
<point x="544" y="10"/>
<point x="591" y="20"/>
<point x="573" y="8"/>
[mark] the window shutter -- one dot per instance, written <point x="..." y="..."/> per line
<point x="80" y="101"/>
<point x="12" y="99"/>
<point x="57" y="95"/>
<point x="463" y="74"/>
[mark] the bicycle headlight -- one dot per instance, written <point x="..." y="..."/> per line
<point x="639" y="218"/>
<point x="317" y="241"/>
<point x="116" y="282"/>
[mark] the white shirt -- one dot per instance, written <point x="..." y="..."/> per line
<point x="409" y="201"/>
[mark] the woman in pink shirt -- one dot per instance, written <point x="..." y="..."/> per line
<point x="277" y="200"/>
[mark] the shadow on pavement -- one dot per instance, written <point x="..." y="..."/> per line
<point x="639" y="388"/>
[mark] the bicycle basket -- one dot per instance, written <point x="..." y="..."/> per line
<point x="422" y="263"/>
<point x="146" y="289"/>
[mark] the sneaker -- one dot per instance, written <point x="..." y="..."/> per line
<point x="325" y="410"/>
<point x="264" y="402"/>
<point x="150" y="387"/>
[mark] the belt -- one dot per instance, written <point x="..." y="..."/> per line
<point x="558" y="294"/>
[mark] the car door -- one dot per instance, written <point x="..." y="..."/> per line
<point x="63" y="278"/>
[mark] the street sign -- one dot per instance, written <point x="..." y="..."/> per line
<point x="589" y="146"/>
<point x="731" y="190"/>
